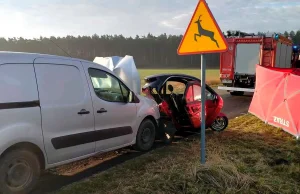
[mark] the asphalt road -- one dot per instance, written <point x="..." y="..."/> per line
<point x="57" y="178"/>
<point x="234" y="105"/>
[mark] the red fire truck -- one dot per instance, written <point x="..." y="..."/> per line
<point x="237" y="64"/>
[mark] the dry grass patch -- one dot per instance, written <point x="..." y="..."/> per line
<point x="249" y="157"/>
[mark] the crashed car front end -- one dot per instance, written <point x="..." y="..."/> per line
<point x="179" y="96"/>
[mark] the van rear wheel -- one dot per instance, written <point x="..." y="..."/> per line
<point x="19" y="171"/>
<point x="145" y="136"/>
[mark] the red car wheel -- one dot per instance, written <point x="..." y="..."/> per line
<point x="219" y="124"/>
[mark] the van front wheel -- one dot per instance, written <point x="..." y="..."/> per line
<point x="19" y="171"/>
<point x="145" y="136"/>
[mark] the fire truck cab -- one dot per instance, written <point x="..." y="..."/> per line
<point x="237" y="64"/>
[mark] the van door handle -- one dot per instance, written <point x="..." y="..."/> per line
<point x="102" y="110"/>
<point x="83" y="111"/>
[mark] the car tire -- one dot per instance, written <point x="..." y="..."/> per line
<point x="145" y="136"/>
<point x="20" y="170"/>
<point x="218" y="127"/>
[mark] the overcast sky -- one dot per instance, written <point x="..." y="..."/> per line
<point x="34" y="18"/>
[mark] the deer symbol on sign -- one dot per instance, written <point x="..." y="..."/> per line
<point x="203" y="32"/>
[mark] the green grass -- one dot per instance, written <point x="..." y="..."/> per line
<point x="248" y="157"/>
<point x="212" y="75"/>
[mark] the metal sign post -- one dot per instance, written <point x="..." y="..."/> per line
<point x="203" y="99"/>
<point x="202" y="36"/>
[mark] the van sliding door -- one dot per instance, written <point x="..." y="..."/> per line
<point x="66" y="107"/>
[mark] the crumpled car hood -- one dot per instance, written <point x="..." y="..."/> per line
<point x="124" y="68"/>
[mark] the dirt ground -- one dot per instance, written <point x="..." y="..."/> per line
<point x="57" y="178"/>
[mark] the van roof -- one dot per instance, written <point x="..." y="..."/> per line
<point x="24" y="57"/>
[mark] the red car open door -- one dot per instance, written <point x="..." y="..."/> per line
<point x="193" y="104"/>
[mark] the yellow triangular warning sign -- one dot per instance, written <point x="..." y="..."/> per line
<point x="203" y="34"/>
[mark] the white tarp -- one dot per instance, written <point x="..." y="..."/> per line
<point x="124" y="68"/>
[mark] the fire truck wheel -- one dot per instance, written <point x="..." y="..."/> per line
<point x="237" y="93"/>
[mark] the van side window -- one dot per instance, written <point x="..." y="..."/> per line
<point x="17" y="83"/>
<point x="125" y="91"/>
<point x="59" y="85"/>
<point x="107" y="87"/>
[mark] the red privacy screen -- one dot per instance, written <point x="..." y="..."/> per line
<point x="277" y="98"/>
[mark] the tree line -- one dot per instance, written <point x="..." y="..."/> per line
<point x="148" y="51"/>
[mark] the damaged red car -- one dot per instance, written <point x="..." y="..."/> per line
<point x="179" y="100"/>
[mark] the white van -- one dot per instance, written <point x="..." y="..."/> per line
<point x="55" y="110"/>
